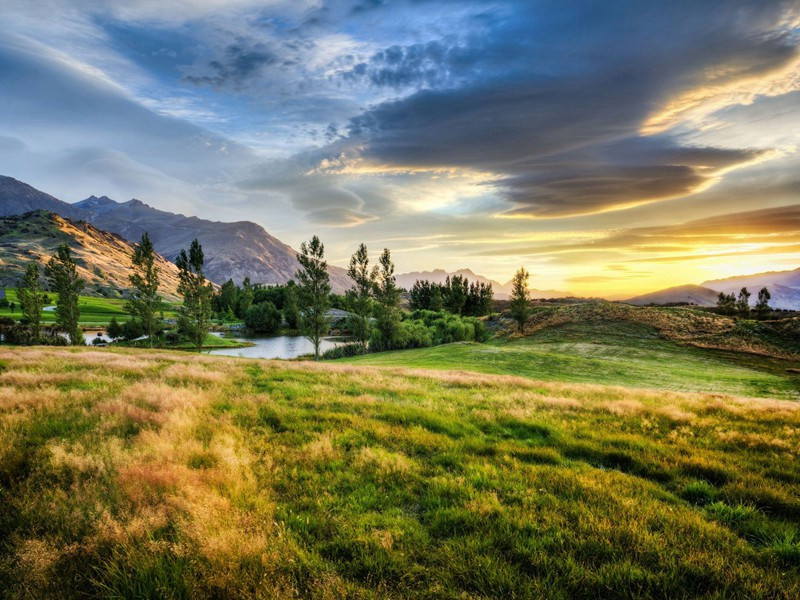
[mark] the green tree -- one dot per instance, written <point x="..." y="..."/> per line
<point x="114" y="329"/>
<point x="360" y="301"/>
<point x="291" y="310"/>
<point x="519" y="298"/>
<point x="762" y="307"/>
<point x="314" y="292"/>
<point x="244" y="298"/>
<point x="31" y="298"/>
<point x="195" y="313"/>
<point x="228" y="298"/>
<point x="63" y="275"/>
<point x="726" y="304"/>
<point x="743" y="303"/>
<point x="455" y="292"/>
<point x="263" y="318"/>
<point x="387" y="295"/>
<point x="145" y="302"/>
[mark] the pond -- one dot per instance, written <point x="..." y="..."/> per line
<point x="282" y="346"/>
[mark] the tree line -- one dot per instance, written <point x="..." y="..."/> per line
<point x="729" y="304"/>
<point x="440" y="312"/>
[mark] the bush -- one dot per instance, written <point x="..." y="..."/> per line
<point x="263" y="318"/>
<point x="132" y="330"/>
<point x="343" y="351"/>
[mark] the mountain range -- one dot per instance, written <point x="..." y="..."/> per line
<point x="103" y="259"/>
<point x="232" y="250"/>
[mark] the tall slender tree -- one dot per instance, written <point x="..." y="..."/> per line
<point x="360" y="297"/>
<point x="743" y="303"/>
<point x="145" y="301"/>
<point x="314" y="290"/>
<point x="762" y="307"/>
<point x="519" y="298"/>
<point x="31" y="298"/>
<point x="195" y="313"/>
<point x="387" y="295"/>
<point x="63" y="275"/>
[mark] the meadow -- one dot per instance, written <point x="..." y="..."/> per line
<point x="130" y="473"/>
<point x="95" y="311"/>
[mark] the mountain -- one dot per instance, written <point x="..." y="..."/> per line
<point x="232" y="250"/>
<point x="103" y="259"/>
<point x="17" y="198"/>
<point x="783" y="286"/>
<point x="501" y="291"/>
<point x="690" y="294"/>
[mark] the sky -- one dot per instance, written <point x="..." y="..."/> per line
<point x="611" y="148"/>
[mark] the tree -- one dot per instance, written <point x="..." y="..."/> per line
<point x="454" y="293"/>
<point x="359" y="297"/>
<point x="291" y="311"/>
<point x="195" y="313"/>
<point x="726" y="304"/>
<point x="31" y="298"/>
<point x="263" y="318"/>
<point x="314" y="292"/>
<point x="519" y="298"/>
<point x="114" y="330"/>
<point x="244" y="298"/>
<point x="743" y="303"/>
<point x="762" y="307"/>
<point x="228" y="298"/>
<point x="420" y="295"/>
<point x="63" y="275"/>
<point x="387" y="295"/>
<point x="145" y="301"/>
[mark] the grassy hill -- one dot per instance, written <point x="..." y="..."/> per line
<point x="677" y="349"/>
<point x="152" y="474"/>
<point x="103" y="259"/>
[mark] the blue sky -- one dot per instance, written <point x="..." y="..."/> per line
<point x="581" y="139"/>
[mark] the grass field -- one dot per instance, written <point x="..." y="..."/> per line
<point x="612" y="353"/>
<point x="94" y="311"/>
<point x="136" y="474"/>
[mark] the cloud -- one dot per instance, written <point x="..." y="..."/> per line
<point x="239" y="65"/>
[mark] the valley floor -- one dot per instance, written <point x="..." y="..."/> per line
<point x="132" y="473"/>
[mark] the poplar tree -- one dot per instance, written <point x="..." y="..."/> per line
<point x="360" y="295"/>
<point x="195" y="313"/>
<point x="519" y="298"/>
<point x="63" y="275"/>
<point x="145" y="301"/>
<point x="314" y="290"/>
<point x="387" y="295"/>
<point x="762" y="307"/>
<point x="31" y="298"/>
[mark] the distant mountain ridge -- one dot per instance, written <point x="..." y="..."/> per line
<point x="783" y="286"/>
<point x="690" y="294"/>
<point x="232" y="250"/>
<point x="103" y="259"/>
<point x="501" y="290"/>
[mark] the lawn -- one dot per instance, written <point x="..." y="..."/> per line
<point x="610" y="353"/>
<point x="94" y="311"/>
<point x="131" y="473"/>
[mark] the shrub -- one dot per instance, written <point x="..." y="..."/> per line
<point x="343" y="351"/>
<point x="263" y="318"/>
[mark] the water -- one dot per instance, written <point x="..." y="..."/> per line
<point x="282" y="346"/>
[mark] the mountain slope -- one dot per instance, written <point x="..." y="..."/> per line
<point x="17" y="198"/>
<point x="690" y="294"/>
<point x="103" y="259"/>
<point x="233" y="250"/>
<point x="501" y="291"/>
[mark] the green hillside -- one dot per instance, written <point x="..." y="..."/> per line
<point x="163" y="475"/>
<point x="630" y="346"/>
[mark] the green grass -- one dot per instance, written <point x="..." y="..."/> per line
<point x="211" y="342"/>
<point x="139" y="474"/>
<point x="94" y="311"/>
<point x="610" y="353"/>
